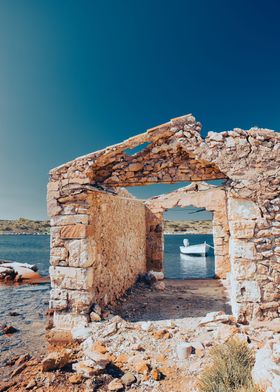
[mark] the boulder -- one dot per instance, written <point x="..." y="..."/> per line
<point x="266" y="372"/>
<point x="128" y="379"/>
<point x="184" y="350"/>
<point x="57" y="360"/>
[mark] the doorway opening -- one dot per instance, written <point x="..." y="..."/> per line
<point x="188" y="244"/>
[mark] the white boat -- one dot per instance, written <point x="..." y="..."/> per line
<point x="199" y="249"/>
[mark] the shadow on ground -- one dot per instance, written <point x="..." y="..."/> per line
<point x="180" y="299"/>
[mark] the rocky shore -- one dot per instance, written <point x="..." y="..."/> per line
<point x="12" y="271"/>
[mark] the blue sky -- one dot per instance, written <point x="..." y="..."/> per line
<point x="76" y="76"/>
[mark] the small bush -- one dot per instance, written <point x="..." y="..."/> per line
<point x="229" y="369"/>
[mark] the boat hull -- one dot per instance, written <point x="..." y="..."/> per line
<point x="200" y="249"/>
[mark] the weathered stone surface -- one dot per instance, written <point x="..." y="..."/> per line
<point x="242" y="249"/>
<point x="73" y="231"/>
<point x="242" y="229"/>
<point x="242" y="209"/>
<point x="65" y="220"/>
<point x="70" y="277"/>
<point x="56" y="360"/>
<point x="80" y="252"/>
<point x="266" y="369"/>
<point x="249" y="291"/>
<point x="68" y="321"/>
<point x="109" y="238"/>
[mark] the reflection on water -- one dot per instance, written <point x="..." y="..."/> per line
<point x="179" y="266"/>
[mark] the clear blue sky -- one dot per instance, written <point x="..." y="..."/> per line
<point x="76" y="76"/>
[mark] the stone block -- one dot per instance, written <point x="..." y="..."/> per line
<point x="240" y="209"/>
<point x="242" y="229"/>
<point x="60" y="252"/>
<point x="71" y="278"/>
<point x="53" y="186"/>
<point x="219" y="231"/>
<point x="65" y="220"/>
<point x="74" y="231"/>
<point x="248" y="291"/>
<point x="80" y="301"/>
<point x="81" y="252"/>
<point x="53" y="207"/>
<point x="242" y="249"/>
<point x="56" y="260"/>
<point x="68" y="321"/>
<point x="245" y="269"/>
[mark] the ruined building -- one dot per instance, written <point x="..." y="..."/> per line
<point x="102" y="238"/>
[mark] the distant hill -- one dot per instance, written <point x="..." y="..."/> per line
<point x="188" y="227"/>
<point x="24" y="226"/>
<point x="27" y="226"/>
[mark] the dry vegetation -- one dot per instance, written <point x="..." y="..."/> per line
<point x="188" y="227"/>
<point x="24" y="226"/>
<point x="28" y="226"/>
<point x="229" y="369"/>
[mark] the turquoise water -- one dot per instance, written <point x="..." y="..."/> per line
<point x="177" y="266"/>
<point x="35" y="250"/>
<point x="32" y="249"/>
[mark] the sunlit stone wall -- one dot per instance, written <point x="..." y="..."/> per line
<point x="249" y="161"/>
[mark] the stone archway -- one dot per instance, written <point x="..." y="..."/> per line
<point x="203" y="195"/>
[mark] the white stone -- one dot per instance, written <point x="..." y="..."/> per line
<point x="249" y="291"/>
<point x="242" y="249"/>
<point x="79" y="253"/>
<point x="80" y="333"/>
<point x="184" y="350"/>
<point x="265" y="369"/>
<point x="157" y="275"/>
<point x="68" y="321"/>
<point x="242" y="209"/>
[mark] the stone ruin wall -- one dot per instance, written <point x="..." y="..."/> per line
<point x="119" y="234"/>
<point x="249" y="162"/>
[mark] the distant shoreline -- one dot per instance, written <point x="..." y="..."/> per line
<point x="14" y="234"/>
<point x="24" y="226"/>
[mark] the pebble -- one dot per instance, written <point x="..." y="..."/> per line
<point x="23" y="358"/>
<point x="115" y="385"/>
<point x="128" y="379"/>
<point x="32" y="383"/>
<point x="156" y="374"/>
<point x="76" y="378"/>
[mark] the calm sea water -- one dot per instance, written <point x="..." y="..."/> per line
<point x="35" y="250"/>
<point x="29" y="301"/>
<point x="32" y="249"/>
<point x="177" y="266"/>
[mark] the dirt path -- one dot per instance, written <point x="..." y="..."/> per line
<point x="181" y="299"/>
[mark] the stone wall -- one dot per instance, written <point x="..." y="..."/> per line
<point x="119" y="235"/>
<point x="98" y="249"/>
<point x="249" y="161"/>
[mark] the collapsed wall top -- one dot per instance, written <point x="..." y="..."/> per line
<point x="175" y="152"/>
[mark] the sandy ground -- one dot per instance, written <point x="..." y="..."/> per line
<point x="181" y="299"/>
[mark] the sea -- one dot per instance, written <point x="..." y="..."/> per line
<point x="30" y="302"/>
